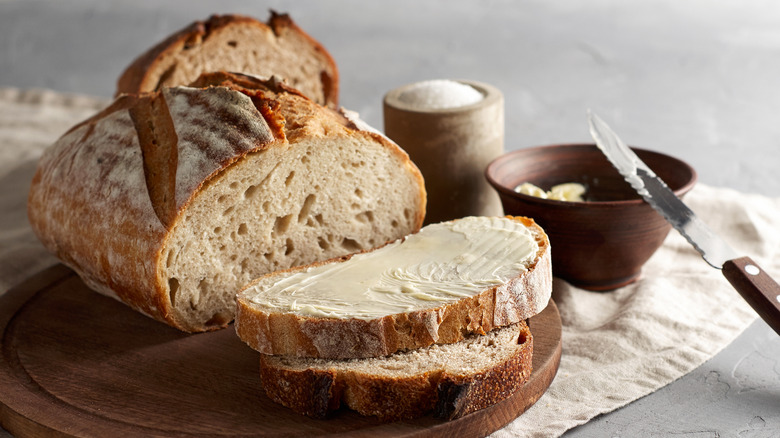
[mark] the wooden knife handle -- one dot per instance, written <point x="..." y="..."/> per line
<point x="756" y="287"/>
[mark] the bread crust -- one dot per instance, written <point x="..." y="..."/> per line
<point x="140" y="76"/>
<point x="318" y="392"/>
<point x="341" y="338"/>
<point x="101" y="201"/>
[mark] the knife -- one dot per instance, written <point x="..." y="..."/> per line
<point x="752" y="282"/>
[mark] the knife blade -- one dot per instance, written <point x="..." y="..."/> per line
<point x="750" y="280"/>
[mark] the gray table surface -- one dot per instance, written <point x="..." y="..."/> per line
<point x="697" y="79"/>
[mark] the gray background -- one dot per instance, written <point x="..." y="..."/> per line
<point x="696" y="79"/>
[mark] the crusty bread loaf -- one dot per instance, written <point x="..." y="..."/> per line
<point x="306" y="311"/>
<point x="239" y="44"/>
<point x="451" y="380"/>
<point x="173" y="200"/>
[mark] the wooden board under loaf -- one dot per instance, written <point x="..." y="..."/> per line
<point x="75" y="363"/>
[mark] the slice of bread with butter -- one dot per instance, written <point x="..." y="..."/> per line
<point x="439" y="285"/>
<point x="431" y="322"/>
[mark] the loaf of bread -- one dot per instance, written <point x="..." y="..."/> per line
<point x="451" y="380"/>
<point x="449" y="280"/>
<point x="239" y="44"/>
<point x="173" y="200"/>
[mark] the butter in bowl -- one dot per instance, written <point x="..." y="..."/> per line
<point x="601" y="241"/>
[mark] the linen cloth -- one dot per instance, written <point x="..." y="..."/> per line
<point x="617" y="346"/>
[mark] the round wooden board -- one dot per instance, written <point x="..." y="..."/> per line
<point x="76" y="363"/>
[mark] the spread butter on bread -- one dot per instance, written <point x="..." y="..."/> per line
<point x="451" y="279"/>
<point x="173" y="200"/>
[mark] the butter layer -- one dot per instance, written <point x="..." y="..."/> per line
<point x="440" y="264"/>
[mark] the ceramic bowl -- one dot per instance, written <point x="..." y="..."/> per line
<point x="602" y="243"/>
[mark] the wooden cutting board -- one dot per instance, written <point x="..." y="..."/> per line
<point x="75" y="363"/>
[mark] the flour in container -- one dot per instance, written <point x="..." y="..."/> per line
<point x="440" y="94"/>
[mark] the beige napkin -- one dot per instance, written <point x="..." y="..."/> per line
<point x="622" y="345"/>
<point x="29" y="121"/>
<point x="617" y="346"/>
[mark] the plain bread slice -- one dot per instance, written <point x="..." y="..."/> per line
<point x="451" y="380"/>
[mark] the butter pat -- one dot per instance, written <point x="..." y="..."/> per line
<point x="443" y="263"/>
<point x="571" y="192"/>
<point x="531" y="190"/>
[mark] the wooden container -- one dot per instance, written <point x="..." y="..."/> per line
<point x="452" y="147"/>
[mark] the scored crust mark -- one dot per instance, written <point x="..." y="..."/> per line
<point x="159" y="150"/>
<point x="166" y="76"/>
<point x="233" y="127"/>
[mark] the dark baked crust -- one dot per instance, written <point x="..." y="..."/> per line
<point x="462" y="395"/>
<point x="137" y="77"/>
<point x="317" y="393"/>
<point x="337" y="338"/>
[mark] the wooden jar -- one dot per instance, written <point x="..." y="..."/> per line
<point x="452" y="147"/>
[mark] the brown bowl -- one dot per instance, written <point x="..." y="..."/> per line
<point x="600" y="244"/>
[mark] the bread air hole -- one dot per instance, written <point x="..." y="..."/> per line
<point x="289" y="179"/>
<point x="288" y="246"/>
<point x="324" y="244"/>
<point x="169" y="259"/>
<point x="232" y="43"/>
<point x="306" y="208"/>
<point x="250" y="192"/>
<point x="219" y="319"/>
<point x="350" y="245"/>
<point x="282" y="224"/>
<point x="242" y="230"/>
<point x="521" y="339"/>
<point x="173" y="288"/>
<point x="203" y="288"/>
<point x="365" y="217"/>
